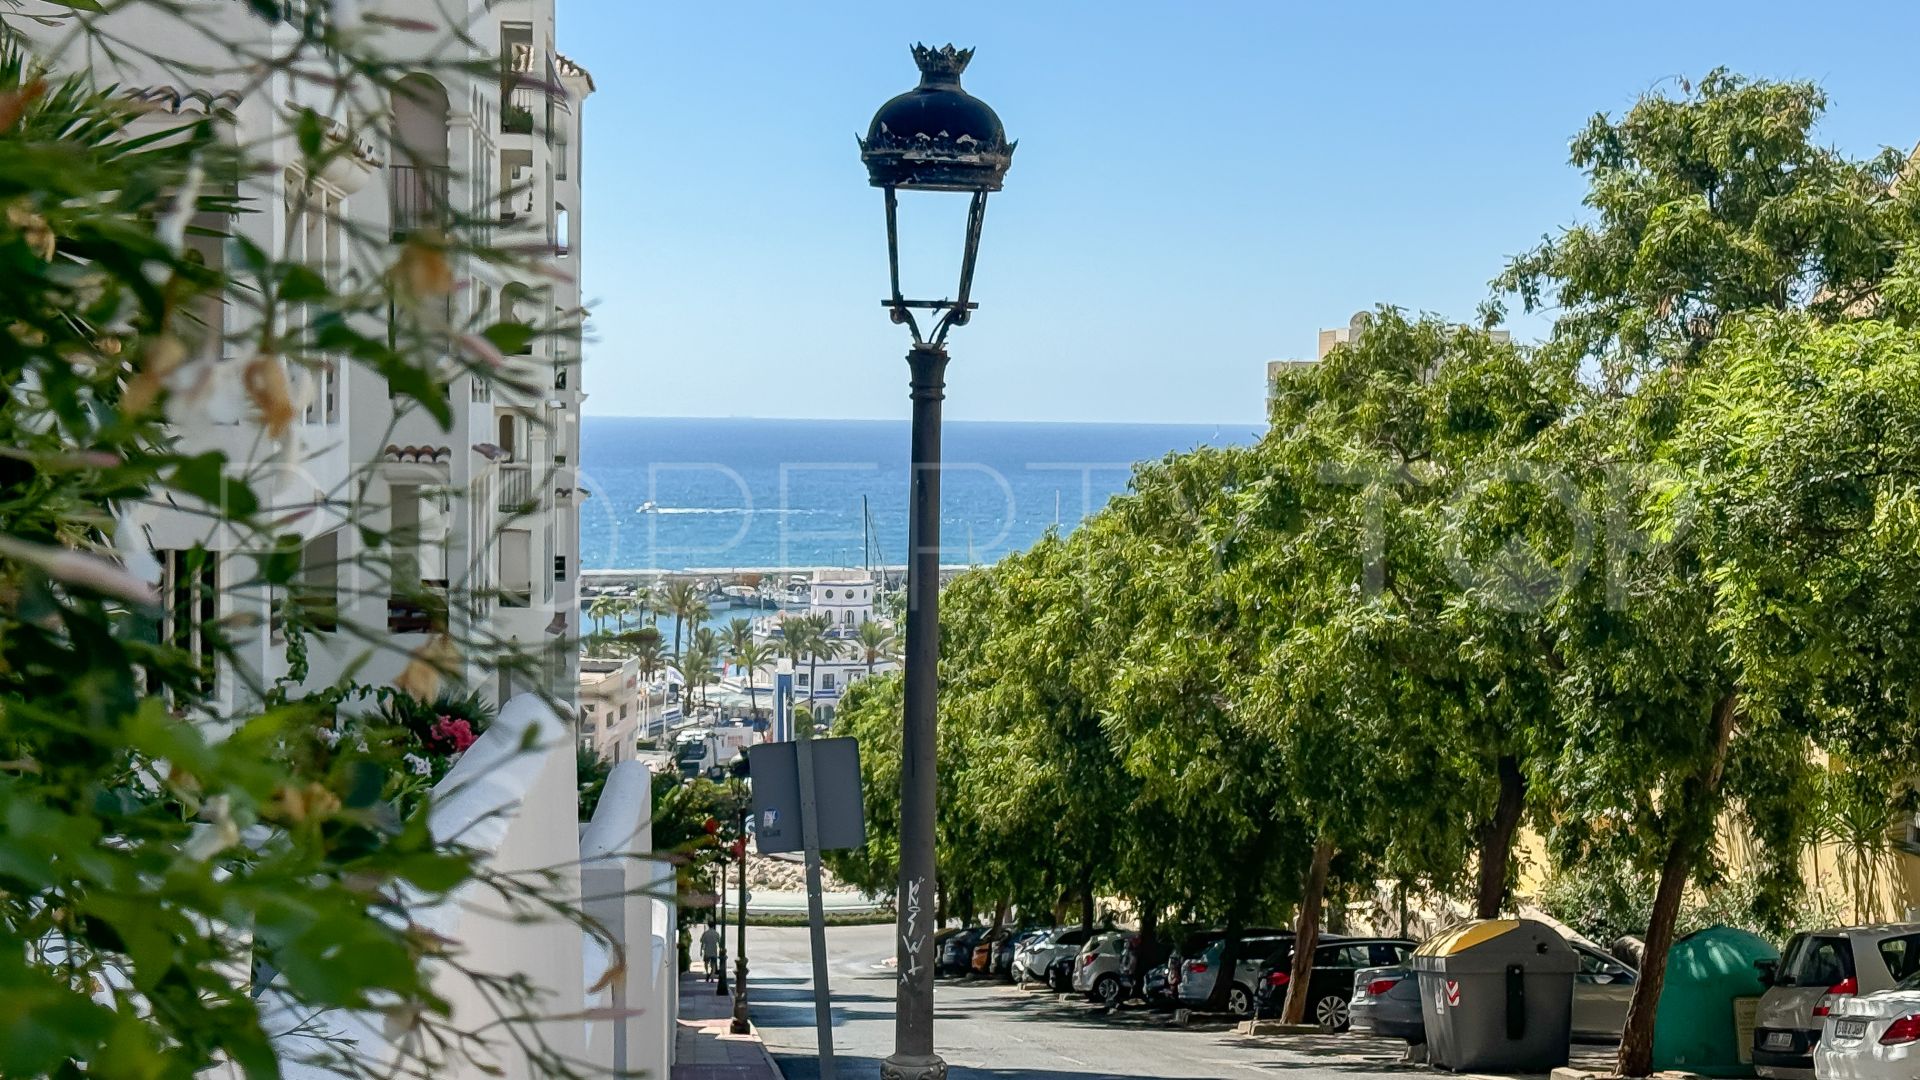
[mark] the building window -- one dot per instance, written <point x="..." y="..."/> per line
<point x="314" y="239"/>
<point x="826" y="681"/>
<point x="190" y="584"/>
<point x="802" y="679"/>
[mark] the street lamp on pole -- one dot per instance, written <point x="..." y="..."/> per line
<point x="937" y="138"/>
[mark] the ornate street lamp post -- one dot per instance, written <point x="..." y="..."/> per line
<point x="935" y="137"/>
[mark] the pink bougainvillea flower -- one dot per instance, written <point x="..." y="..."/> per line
<point x="457" y="732"/>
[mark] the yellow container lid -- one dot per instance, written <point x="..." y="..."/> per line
<point x="1466" y="936"/>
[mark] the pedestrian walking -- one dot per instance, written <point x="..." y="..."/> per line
<point x="710" y="950"/>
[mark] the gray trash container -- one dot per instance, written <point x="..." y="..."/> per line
<point x="1497" y="995"/>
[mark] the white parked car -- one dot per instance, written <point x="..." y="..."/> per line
<point x="1031" y="961"/>
<point x="1097" y="973"/>
<point x="1819" y="972"/>
<point x="1872" y="1036"/>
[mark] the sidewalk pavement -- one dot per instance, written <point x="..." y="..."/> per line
<point x="703" y="1049"/>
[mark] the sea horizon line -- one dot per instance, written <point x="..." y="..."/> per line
<point x="1260" y="424"/>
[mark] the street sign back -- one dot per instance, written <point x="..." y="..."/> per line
<point x="776" y="795"/>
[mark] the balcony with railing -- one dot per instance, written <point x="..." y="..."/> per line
<point x="416" y="198"/>
<point x="516" y="489"/>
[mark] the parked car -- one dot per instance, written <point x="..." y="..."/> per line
<point x="1040" y="956"/>
<point x="1132" y="959"/>
<point x="1003" y="953"/>
<point x="1872" y="1036"/>
<point x="1098" y="973"/>
<point x="1199" y="975"/>
<point x="1386" y="1002"/>
<point x="1602" y="991"/>
<point x="1060" y="973"/>
<point x="1818" y="971"/>
<point x="956" y="953"/>
<point x="1330" y="986"/>
<point x="1156" y="988"/>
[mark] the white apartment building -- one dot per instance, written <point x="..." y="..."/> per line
<point x="1335" y="337"/>
<point x="618" y="707"/>
<point x="488" y="506"/>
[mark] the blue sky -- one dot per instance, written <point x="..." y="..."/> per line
<point x="1199" y="187"/>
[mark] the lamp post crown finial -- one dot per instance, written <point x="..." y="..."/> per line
<point x="944" y="63"/>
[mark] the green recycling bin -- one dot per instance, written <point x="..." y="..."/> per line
<point x="1705" y="1020"/>
<point x="1497" y="996"/>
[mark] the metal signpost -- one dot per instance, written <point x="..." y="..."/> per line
<point x="806" y="797"/>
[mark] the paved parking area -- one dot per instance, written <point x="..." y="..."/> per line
<point x="992" y="1030"/>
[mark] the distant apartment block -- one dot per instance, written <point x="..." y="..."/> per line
<point x="1343" y="335"/>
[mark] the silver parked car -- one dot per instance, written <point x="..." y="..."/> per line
<point x="1199" y="974"/>
<point x="1602" y="991"/>
<point x="1816" y="971"/>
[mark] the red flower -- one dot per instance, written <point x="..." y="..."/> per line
<point x="457" y="732"/>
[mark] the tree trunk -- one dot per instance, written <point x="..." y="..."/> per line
<point x="1306" y="934"/>
<point x="1086" y="907"/>
<point x="999" y="915"/>
<point x="1229" y="959"/>
<point x="1691" y="837"/>
<point x="1496" y="839"/>
<point x="1144" y="953"/>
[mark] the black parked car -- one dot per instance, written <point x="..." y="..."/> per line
<point x="1331" y="988"/>
<point x="956" y="952"/>
<point x="1060" y="973"/>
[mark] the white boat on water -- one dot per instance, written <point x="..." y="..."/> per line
<point x="648" y="507"/>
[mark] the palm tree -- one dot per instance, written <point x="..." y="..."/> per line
<point x="652" y="655"/>
<point x="819" y="644"/>
<point x="874" y="642"/>
<point x="680" y="599"/>
<point x="601" y="608"/>
<point x="627" y="606"/>
<point x="737" y="634"/>
<point x="750" y="655"/>
<point x="703" y="651"/>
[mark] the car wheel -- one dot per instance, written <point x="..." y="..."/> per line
<point x="1106" y="990"/>
<point x="1330" y="1012"/>
<point x="1240" y="1001"/>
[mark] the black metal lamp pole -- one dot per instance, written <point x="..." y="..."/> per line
<point x="741" y="1025"/>
<point x="935" y="137"/>
<point x="720" y="984"/>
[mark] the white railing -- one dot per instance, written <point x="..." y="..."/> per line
<point x="629" y="893"/>
<point x="513" y="798"/>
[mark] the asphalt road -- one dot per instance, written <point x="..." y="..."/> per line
<point x="988" y="1029"/>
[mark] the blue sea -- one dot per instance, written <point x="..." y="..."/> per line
<point x="787" y="493"/>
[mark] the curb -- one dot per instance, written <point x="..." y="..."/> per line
<point x="1571" y="1073"/>
<point x="1567" y="1072"/>
<point x="753" y="1031"/>
<point x="1275" y="1027"/>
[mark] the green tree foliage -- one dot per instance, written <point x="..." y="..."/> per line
<point x="1717" y="215"/>
<point x="1625" y="585"/>
<point x="169" y="854"/>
